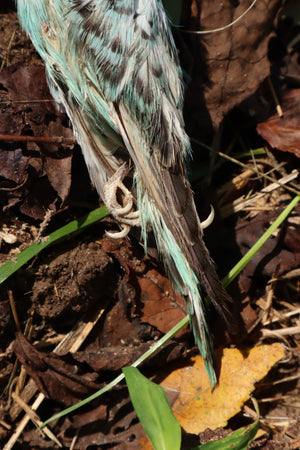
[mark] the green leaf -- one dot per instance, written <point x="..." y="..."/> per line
<point x="153" y="410"/>
<point x="72" y="228"/>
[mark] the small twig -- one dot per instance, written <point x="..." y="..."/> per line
<point x="36" y="420"/>
<point x="16" y="102"/>
<point x="273" y="399"/>
<point x="23" y="374"/>
<point x="284" y="316"/>
<point x="267" y="306"/>
<point x="280" y="421"/>
<point x="11" y="189"/>
<point x="281" y="332"/>
<point x="5" y="59"/>
<point x="275" y="97"/>
<point x="75" y="439"/>
<point x="283" y="380"/>
<point x="5" y="425"/>
<point x="14" y="309"/>
<point x="260" y="174"/>
<point x="215" y="30"/>
<point x="44" y="224"/>
<point x="289" y="275"/>
<point x="40" y="139"/>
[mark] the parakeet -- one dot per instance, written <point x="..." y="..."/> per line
<point x="113" y="66"/>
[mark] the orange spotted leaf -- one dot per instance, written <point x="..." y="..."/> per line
<point x="197" y="408"/>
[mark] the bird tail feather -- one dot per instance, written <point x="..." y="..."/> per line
<point x="179" y="238"/>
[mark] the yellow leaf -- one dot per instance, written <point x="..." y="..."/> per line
<point x="197" y="408"/>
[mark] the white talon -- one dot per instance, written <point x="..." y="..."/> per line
<point x="207" y="222"/>
<point x="119" y="234"/>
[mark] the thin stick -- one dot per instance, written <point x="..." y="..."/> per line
<point x="275" y="97"/>
<point x="215" y="30"/>
<point x="36" y="420"/>
<point x="5" y="59"/>
<point x="41" y="139"/>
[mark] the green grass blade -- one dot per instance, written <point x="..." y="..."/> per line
<point x="234" y="272"/>
<point x="74" y="227"/>
<point x="153" y="410"/>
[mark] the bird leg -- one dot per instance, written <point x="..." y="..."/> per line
<point x="119" y="201"/>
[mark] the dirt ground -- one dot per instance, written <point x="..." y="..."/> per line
<point x="90" y="305"/>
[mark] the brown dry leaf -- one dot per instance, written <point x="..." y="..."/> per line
<point x="150" y="293"/>
<point x="283" y="133"/>
<point x="57" y="377"/>
<point x="281" y="253"/>
<point x="26" y="91"/>
<point x="230" y="64"/>
<point x="13" y="166"/>
<point x="197" y="408"/>
<point x="162" y="308"/>
<point x="41" y="177"/>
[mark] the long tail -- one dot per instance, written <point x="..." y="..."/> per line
<point x="165" y="200"/>
<point x="182" y="277"/>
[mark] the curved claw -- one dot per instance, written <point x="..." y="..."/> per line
<point x="207" y="222"/>
<point x="119" y="234"/>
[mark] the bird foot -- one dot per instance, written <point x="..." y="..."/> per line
<point x="119" y="201"/>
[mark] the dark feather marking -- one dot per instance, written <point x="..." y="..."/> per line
<point x="157" y="71"/>
<point x="143" y="91"/>
<point x="146" y="36"/>
<point x="112" y="4"/>
<point x="61" y="83"/>
<point x="112" y="74"/>
<point x="166" y="147"/>
<point x="89" y="25"/>
<point x="117" y="45"/>
<point x="83" y="10"/>
<point x="139" y="87"/>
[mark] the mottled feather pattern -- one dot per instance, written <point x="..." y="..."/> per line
<point x="113" y="66"/>
<point x="143" y="74"/>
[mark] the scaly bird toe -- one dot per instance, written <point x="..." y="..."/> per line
<point x="119" y="201"/>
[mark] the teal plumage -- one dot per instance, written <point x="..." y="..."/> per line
<point x="113" y="66"/>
